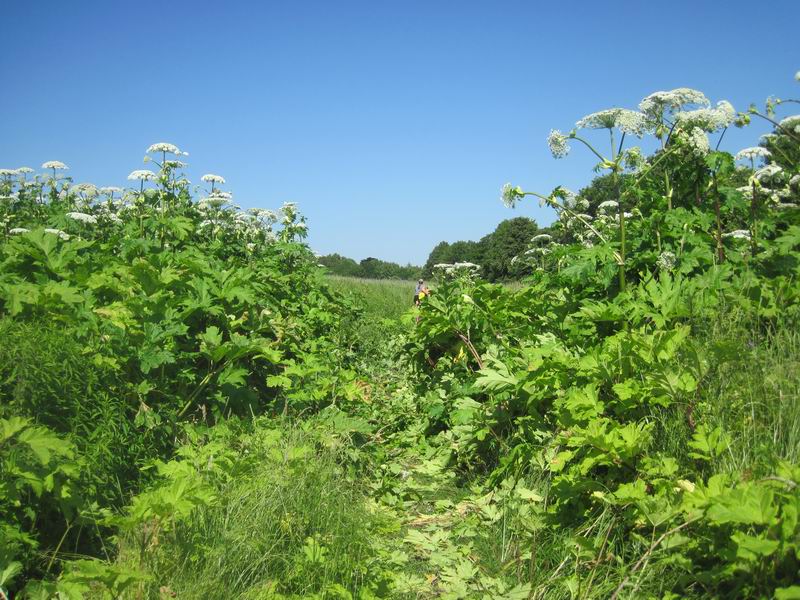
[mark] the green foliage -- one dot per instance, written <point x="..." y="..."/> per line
<point x="39" y="479"/>
<point x="369" y="268"/>
<point x="598" y="382"/>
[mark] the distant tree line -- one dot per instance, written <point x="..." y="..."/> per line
<point x="370" y="268"/>
<point x="494" y="252"/>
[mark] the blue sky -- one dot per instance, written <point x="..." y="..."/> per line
<point x="392" y="124"/>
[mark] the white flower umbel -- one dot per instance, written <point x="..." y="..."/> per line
<point x="164" y="148"/>
<point x="608" y="206"/>
<point x="263" y="213"/>
<point x="84" y="189"/>
<point x="142" y="175"/>
<point x="627" y="121"/>
<point x="657" y="103"/>
<point x="752" y="153"/>
<point x="8" y="172"/>
<point x="216" y="202"/>
<point x="558" y="143"/>
<point x="739" y="234"/>
<point x="110" y="190"/>
<point x="571" y="201"/>
<point x="708" y="119"/>
<point x="175" y="164"/>
<point x="768" y="172"/>
<point x="791" y="124"/>
<point x="697" y="140"/>
<point x="54" y="164"/>
<point x="82" y="217"/>
<point x="510" y="195"/>
<point x="211" y="178"/>
<point x="18" y="230"/>
<point x="540" y="250"/>
<point x="666" y="261"/>
<point x="23" y="170"/>
<point x="542" y="238"/>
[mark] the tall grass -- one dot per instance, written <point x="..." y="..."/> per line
<point x="381" y="298"/>
<point x="753" y="391"/>
<point x="289" y="522"/>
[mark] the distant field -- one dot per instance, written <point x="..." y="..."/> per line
<point x="386" y="298"/>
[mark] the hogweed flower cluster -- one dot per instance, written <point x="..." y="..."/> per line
<point x="740" y="234"/>
<point x="628" y="121"/>
<point x="174" y="164"/>
<point x="608" y="206"/>
<point x="90" y="205"/>
<point x="767" y="172"/>
<point x="657" y="103"/>
<point x="142" y="175"/>
<point x="695" y="139"/>
<point x="790" y="124"/>
<point x="166" y="148"/>
<point x="82" y="217"/>
<point x="708" y="119"/>
<point x="558" y="143"/>
<point x="465" y="270"/>
<point x="511" y="195"/>
<point x="87" y="190"/>
<point x="54" y="164"/>
<point x="666" y="261"/>
<point x="213" y="179"/>
<point x="752" y="153"/>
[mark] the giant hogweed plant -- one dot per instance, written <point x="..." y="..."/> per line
<point x="579" y="379"/>
<point x="684" y="164"/>
<point x="182" y="309"/>
<point x="151" y="269"/>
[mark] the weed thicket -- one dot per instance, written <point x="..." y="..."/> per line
<point x="192" y="408"/>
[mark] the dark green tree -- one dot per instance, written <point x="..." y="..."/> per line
<point x="340" y="265"/>
<point x="498" y="249"/>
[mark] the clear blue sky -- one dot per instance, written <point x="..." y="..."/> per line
<point x="392" y="124"/>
